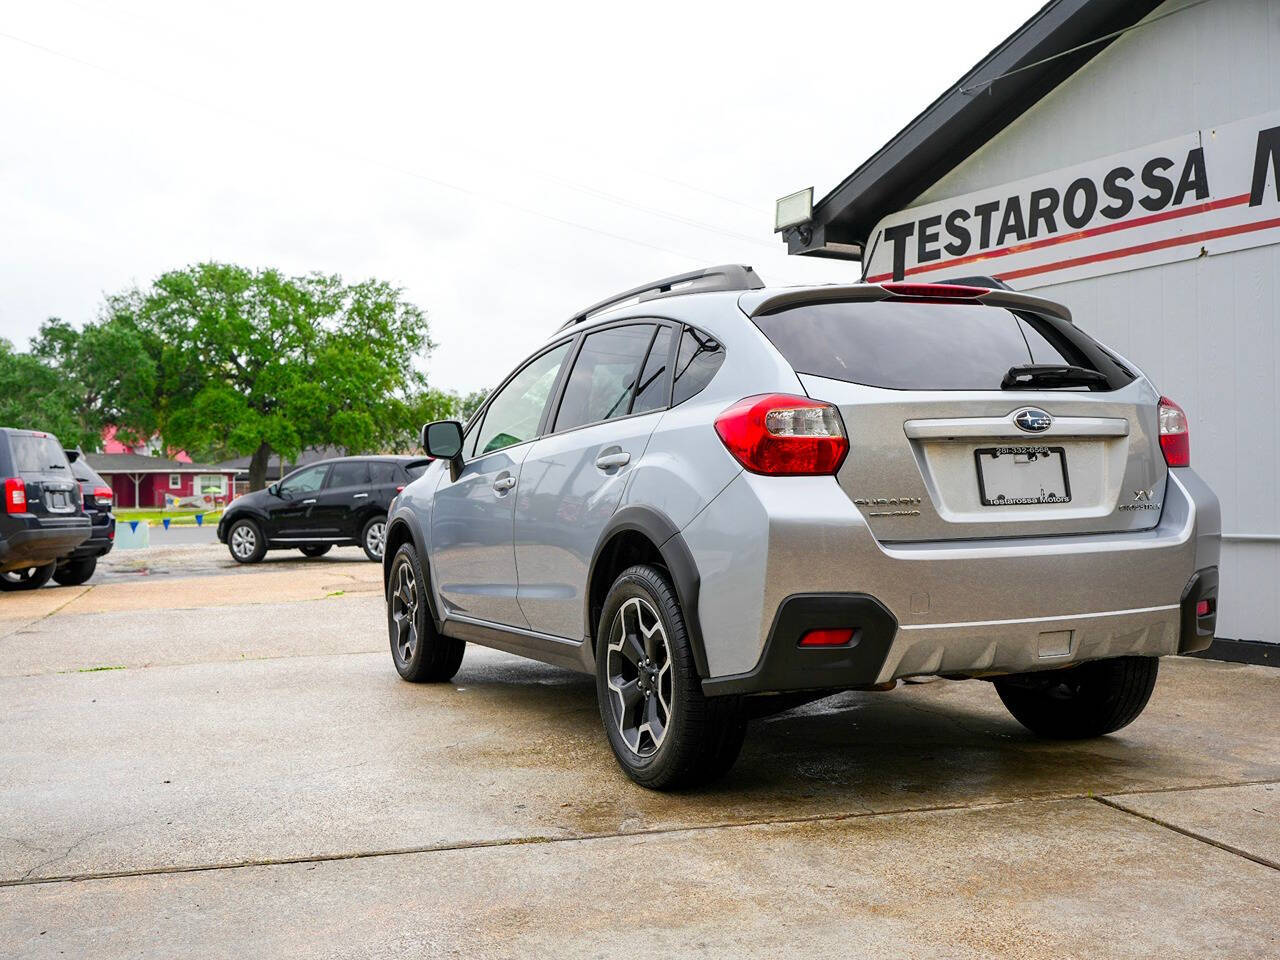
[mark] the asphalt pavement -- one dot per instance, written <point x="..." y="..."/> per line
<point x="207" y="760"/>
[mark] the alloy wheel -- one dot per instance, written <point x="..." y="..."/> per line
<point x="375" y="538"/>
<point x="638" y="664"/>
<point x="404" y="612"/>
<point x="243" y="541"/>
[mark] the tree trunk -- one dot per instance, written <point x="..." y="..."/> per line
<point x="258" y="464"/>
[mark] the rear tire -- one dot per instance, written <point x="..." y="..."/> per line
<point x="421" y="653"/>
<point x="1090" y="700"/>
<point x="373" y="538"/>
<point x="75" y="572"/>
<point x="665" y="733"/>
<point x="316" y="549"/>
<point x="27" y="578"/>
<point x="246" y="542"/>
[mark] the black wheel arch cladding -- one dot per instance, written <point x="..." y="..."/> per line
<point x="665" y="537"/>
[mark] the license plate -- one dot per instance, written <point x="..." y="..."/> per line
<point x="1022" y="475"/>
<point x="57" y="501"/>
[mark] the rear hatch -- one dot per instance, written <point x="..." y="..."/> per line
<point x="52" y="491"/>
<point x="96" y="498"/>
<point x="959" y="428"/>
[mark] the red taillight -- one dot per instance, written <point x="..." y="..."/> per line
<point x="934" y="291"/>
<point x="782" y="435"/>
<point x="400" y="489"/>
<point x="1175" y="434"/>
<point x="828" y="637"/>
<point x="15" y="495"/>
<point x="1203" y="608"/>
<point x="103" y="494"/>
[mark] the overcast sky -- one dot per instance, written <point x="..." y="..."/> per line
<point x="506" y="166"/>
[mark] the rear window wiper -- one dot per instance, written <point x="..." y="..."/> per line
<point x="1034" y="376"/>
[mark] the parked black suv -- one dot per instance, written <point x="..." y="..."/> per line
<point x="96" y="499"/>
<point x="319" y="506"/>
<point x="42" y="518"/>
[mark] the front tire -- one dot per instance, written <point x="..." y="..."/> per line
<point x="246" y="542"/>
<point x="373" y="538"/>
<point x="75" y="572"/>
<point x="27" y="578"/>
<point x="421" y="653"/>
<point x="665" y="733"/>
<point x="1077" y="703"/>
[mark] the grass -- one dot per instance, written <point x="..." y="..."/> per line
<point x="155" y="516"/>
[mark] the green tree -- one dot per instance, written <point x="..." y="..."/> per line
<point x="107" y="374"/>
<point x="35" y="396"/>
<point x="255" y="362"/>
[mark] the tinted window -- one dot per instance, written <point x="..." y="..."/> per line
<point x="415" y="470"/>
<point x="513" y="415"/>
<point x="651" y="392"/>
<point x="306" y="480"/>
<point x="350" y="473"/>
<point x="38" y="455"/>
<point x="383" y="473"/>
<point x="917" y="346"/>
<point x="699" y="359"/>
<point x="603" y="376"/>
<point x="83" y="472"/>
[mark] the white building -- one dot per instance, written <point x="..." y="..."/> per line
<point x="1120" y="157"/>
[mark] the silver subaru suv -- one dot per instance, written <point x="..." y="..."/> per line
<point x="724" y="500"/>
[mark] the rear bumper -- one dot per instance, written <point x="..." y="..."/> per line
<point x="970" y="608"/>
<point x="35" y="546"/>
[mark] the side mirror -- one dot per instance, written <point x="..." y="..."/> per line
<point x="443" y="440"/>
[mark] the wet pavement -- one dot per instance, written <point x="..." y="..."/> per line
<point x="226" y="764"/>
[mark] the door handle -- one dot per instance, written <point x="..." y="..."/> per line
<point x="503" y="484"/>
<point x="359" y="496"/>
<point x="308" y="502"/>
<point x="615" y="458"/>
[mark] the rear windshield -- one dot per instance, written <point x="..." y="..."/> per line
<point x="417" y="468"/>
<point x="923" y="346"/>
<point x="38" y="455"/>
<point x="83" y="472"/>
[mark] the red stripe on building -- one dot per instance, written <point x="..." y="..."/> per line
<point x="1106" y="228"/>
<point x="1145" y="248"/>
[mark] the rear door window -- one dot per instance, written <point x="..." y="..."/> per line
<point x="655" y="379"/>
<point x="918" y="346"/>
<point x="699" y="358"/>
<point x="604" y="376"/>
<point x="349" y="473"/>
<point x="383" y="473"/>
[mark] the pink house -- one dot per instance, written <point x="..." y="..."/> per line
<point x="138" y="480"/>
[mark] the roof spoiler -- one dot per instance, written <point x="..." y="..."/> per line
<point x="731" y="276"/>
<point x="932" y="293"/>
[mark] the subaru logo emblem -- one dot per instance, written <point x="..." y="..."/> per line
<point x="1032" y="420"/>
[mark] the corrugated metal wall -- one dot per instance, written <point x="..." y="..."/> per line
<point x="1207" y="330"/>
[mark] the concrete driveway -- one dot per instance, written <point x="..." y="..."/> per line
<point x="226" y="765"/>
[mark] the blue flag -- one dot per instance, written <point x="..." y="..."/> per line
<point x="165" y="521"/>
<point x="199" y="519"/>
<point x="133" y="525"/>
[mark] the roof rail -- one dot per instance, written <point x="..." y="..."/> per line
<point x="730" y="276"/>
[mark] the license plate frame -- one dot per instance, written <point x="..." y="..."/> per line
<point x="58" y="501"/>
<point x="1014" y="450"/>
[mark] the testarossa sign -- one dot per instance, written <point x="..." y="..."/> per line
<point x="1208" y="192"/>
